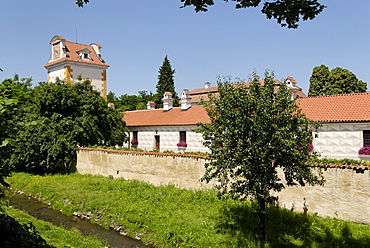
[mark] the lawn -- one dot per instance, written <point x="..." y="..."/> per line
<point x="166" y="216"/>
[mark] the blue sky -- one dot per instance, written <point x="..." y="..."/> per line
<point x="136" y="35"/>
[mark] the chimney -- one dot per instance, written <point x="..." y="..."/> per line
<point x="150" y="105"/>
<point x="206" y="85"/>
<point x="167" y="101"/>
<point x="185" y="99"/>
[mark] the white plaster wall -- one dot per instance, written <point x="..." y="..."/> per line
<point x="57" y="72"/>
<point x="93" y="73"/>
<point x="340" y="140"/>
<point x="169" y="137"/>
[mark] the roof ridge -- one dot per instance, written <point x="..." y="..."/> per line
<point x="338" y="95"/>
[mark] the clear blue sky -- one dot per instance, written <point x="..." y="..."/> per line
<point x="137" y="34"/>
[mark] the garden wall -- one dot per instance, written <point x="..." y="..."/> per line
<point x="181" y="170"/>
<point x="345" y="195"/>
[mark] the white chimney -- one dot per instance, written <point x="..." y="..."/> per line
<point x="185" y="99"/>
<point x="167" y="101"/>
<point x="150" y="105"/>
<point x="206" y="85"/>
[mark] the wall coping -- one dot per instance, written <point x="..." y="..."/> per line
<point x="146" y="153"/>
<point x="339" y="166"/>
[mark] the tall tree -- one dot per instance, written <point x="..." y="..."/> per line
<point x="165" y="83"/>
<point x="252" y="134"/>
<point x="286" y="12"/>
<point x="10" y="97"/>
<point x="318" y="80"/>
<point x="68" y="116"/>
<point x="335" y="82"/>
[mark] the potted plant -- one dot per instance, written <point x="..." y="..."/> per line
<point x="134" y="142"/>
<point x="364" y="153"/>
<point x="182" y="145"/>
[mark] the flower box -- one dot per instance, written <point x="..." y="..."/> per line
<point x="134" y="142"/>
<point x="182" y="143"/>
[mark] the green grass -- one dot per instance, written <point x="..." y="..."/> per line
<point x="170" y="217"/>
<point x="53" y="235"/>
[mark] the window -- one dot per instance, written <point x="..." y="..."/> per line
<point x="86" y="55"/>
<point x="366" y="137"/>
<point x="134" y="140"/>
<point x="182" y="136"/>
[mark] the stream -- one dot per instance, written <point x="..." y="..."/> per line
<point x="43" y="212"/>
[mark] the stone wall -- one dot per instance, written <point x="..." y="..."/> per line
<point x="181" y="170"/>
<point x="345" y="195"/>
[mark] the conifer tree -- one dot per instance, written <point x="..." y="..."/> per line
<point x="165" y="83"/>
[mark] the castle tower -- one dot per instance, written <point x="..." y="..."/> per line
<point x="69" y="60"/>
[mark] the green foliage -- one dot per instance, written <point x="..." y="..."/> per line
<point x="68" y="116"/>
<point x="130" y="102"/>
<point x="324" y="82"/>
<point x="254" y="132"/>
<point x="12" y="93"/>
<point x="166" y="216"/>
<point x="165" y="83"/>
<point x="54" y="236"/>
<point x="15" y="234"/>
<point x="286" y="12"/>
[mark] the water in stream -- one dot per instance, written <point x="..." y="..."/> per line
<point x="42" y="212"/>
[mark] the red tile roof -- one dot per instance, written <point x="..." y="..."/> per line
<point x="337" y="108"/>
<point x="202" y="93"/>
<point x="72" y="51"/>
<point x="173" y="117"/>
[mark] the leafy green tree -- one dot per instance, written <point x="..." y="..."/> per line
<point x="130" y="102"/>
<point x="286" y="12"/>
<point x="165" y="83"/>
<point x="12" y="93"/>
<point x="68" y="116"/>
<point x="324" y="82"/>
<point x="252" y="134"/>
<point x="318" y="80"/>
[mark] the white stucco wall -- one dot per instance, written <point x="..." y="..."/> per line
<point x="93" y="72"/>
<point x="58" y="72"/>
<point x="340" y="140"/>
<point x="169" y="137"/>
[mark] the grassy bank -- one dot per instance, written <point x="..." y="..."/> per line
<point x="170" y="217"/>
<point x="54" y="236"/>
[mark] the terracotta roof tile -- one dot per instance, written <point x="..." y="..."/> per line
<point x="158" y="117"/>
<point x="337" y="108"/>
<point x="72" y="51"/>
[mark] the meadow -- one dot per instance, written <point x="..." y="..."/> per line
<point x="166" y="216"/>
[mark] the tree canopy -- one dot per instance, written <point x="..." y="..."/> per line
<point x="68" y="116"/>
<point x="127" y="102"/>
<point x="255" y="132"/>
<point x="10" y="97"/>
<point x="324" y="82"/>
<point x="165" y="83"/>
<point x="286" y="12"/>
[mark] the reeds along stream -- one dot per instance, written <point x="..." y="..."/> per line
<point x="43" y="212"/>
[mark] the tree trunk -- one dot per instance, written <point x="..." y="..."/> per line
<point x="262" y="221"/>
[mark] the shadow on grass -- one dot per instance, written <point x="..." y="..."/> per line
<point x="286" y="228"/>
